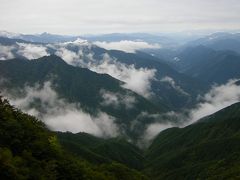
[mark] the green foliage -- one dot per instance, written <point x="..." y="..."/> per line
<point x="208" y="149"/>
<point x="99" y="150"/>
<point x="28" y="150"/>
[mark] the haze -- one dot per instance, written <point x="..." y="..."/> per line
<point x="106" y="16"/>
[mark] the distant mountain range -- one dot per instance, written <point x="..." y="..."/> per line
<point x="219" y="41"/>
<point x="208" y="65"/>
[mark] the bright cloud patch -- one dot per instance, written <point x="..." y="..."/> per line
<point x="32" y="51"/>
<point x="127" y="46"/>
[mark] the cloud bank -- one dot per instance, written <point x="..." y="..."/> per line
<point x="126" y="45"/>
<point x="59" y="115"/>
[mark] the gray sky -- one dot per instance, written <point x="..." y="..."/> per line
<point x="107" y="16"/>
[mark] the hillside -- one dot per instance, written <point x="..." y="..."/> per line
<point x="208" y="149"/>
<point x="28" y="150"/>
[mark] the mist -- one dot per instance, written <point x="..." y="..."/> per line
<point x="58" y="114"/>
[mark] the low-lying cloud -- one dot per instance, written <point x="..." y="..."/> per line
<point x="138" y="80"/>
<point x="32" y="51"/>
<point x="116" y="99"/>
<point x="26" y="50"/>
<point x="173" y="84"/>
<point x="219" y="97"/>
<point x="216" y="99"/>
<point x="126" y="45"/>
<point x="6" y="52"/>
<point x="78" y="53"/>
<point x="59" y="115"/>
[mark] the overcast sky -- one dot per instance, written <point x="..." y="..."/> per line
<point x="107" y="16"/>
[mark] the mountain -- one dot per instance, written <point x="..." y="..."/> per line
<point x="168" y="86"/>
<point x="28" y="150"/>
<point x="175" y="89"/>
<point x="39" y="38"/>
<point x="208" y="65"/>
<point x="207" y="149"/>
<point x="95" y="92"/>
<point x="98" y="150"/>
<point x="219" y="41"/>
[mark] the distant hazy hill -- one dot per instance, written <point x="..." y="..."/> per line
<point x="208" y="149"/>
<point x="209" y="65"/>
<point x="220" y="41"/>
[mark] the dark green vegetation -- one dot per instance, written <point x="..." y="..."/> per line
<point x="98" y="150"/>
<point x="28" y="150"/>
<point x="208" y="149"/>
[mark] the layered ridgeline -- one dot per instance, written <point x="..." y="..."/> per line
<point x="208" y="65"/>
<point x="208" y="149"/>
<point x="62" y="87"/>
<point x="142" y="73"/>
<point x="28" y="150"/>
<point x="219" y="41"/>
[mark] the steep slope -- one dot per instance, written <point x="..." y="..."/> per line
<point x="28" y="150"/>
<point x="77" y="85"/>
<point x="99" y="150"/>
<point x="170" y="88"/>
<point x="177" y="91"/>
<point x="208" y="149"/>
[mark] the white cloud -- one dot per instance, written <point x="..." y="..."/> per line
<point x="173" y="84"/>
<point x="153" y="129"/>
<point x="137" y="80"/>
<point x="6" y="52"/>
<point x="69" y="56"/>
<point x="127" y="46"/>
<point x="59" y="115"/>
<point x="116" y="99"/>
<point x="216" y="99"/>
<point x="31" y="51"/>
